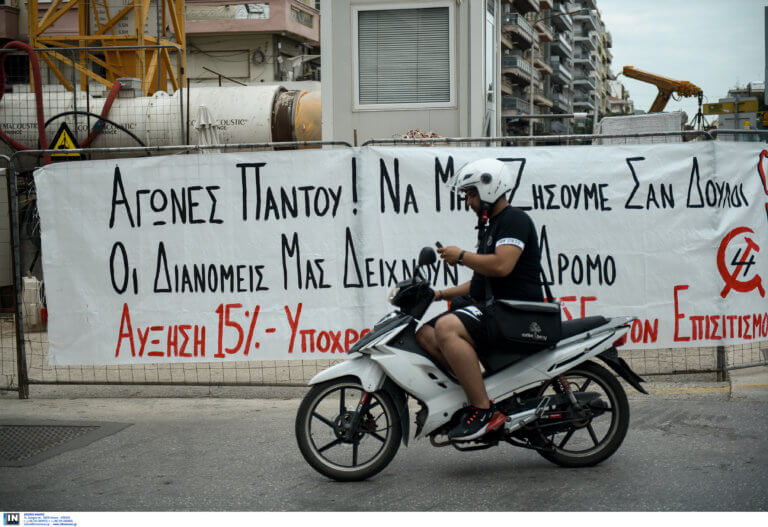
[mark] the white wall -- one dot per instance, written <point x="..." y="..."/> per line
<point x="340" y="119"/>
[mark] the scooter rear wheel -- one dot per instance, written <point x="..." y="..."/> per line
<point x="587" y="443"/>
<point x="325" y="437"/>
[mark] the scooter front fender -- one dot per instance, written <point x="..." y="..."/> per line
<point x="369" y="373"/>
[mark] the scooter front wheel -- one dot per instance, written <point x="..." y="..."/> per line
<point x="340" y="442"/>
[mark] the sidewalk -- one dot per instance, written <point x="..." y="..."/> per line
<point x="749" y="383"/>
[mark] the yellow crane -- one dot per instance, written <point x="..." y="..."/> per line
<point x="665" y="85"/>
<point x="103" y="26"/>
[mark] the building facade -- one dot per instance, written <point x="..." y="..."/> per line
<point x="275" y="41"/>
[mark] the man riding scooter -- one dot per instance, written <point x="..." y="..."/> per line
<point x="506" y="263"/>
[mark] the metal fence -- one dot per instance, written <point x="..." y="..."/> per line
<point x="75" y="91"/>
<point x="27" y="364"/>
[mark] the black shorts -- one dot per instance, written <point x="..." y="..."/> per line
<point x="473" y="316"/>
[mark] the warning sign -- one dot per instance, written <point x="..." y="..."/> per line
<point x="65" y="140"/>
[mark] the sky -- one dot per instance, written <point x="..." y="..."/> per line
<point x="715" y="44"/>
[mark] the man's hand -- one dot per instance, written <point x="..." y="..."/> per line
<point x="449" y="254"/>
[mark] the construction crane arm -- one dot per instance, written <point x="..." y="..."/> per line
<point x="666" y="87"/>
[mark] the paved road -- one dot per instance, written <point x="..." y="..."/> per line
<point x="688" y="448"/>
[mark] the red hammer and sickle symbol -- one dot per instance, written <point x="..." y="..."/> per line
<point x="730" y="277"/>
<point x="761" y="172"/>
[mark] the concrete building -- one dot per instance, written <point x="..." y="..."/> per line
<point x="275" y="41"/>
<point x="619" y="102"/>
<point x="526" y="33"/>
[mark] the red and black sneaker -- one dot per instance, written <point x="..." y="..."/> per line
<point x="476" y="422"/>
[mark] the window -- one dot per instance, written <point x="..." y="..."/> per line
<point x="404" y="57"/>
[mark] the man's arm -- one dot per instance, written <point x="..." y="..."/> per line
<point x="498" y="264"/>
<point x="453" y="292"/>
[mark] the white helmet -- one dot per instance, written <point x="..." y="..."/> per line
<point x="488" y="176"/>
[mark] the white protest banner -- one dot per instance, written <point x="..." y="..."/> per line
<point x="289" y="255"/>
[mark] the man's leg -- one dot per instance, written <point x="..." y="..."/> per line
<point x="427" y="339"/>
<point x="457" y="347"/>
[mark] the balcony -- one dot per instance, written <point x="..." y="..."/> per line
<point x="509" y="102"/>
<point x="519" y="29"/>
<point x="541" y="64"/>
<point x="9" y="22"/>
<point x="608" y="39"/>
<point x="583" y="101"/>
<point x="540" y="98"/>
<point x="586" y="62"/>
<point x="526" y="6"/>
<point x="225" y="17"/>
<point x="587" y="42"/>
<point x="561" y="19"/>
<point x="546" y="33"/>
<point x="561" y="101"/>
<point x="561" y="46"/>
<point x="588" y="19"/>
<point x="584" y="82"/>
<point x="561" y="73"/>
<point x="518" y="67"/>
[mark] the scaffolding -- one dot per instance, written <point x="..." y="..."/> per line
<point x="105" y="26"/>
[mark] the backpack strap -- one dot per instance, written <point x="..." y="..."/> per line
<point x="544" y="282"/>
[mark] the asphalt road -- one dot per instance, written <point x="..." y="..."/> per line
<point x="688" y="449"/>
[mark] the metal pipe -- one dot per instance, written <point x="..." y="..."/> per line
<point x="514" y="138"/>
<point x="550" y="116"/>
<point x="224" y="77"/>
<point x="185" y="148"/>
<point x="750" y="365"/>
<point x="21" y="356"/>
<point x="717" y="131"/>
<point x="112" y="48"/>
<point x="721" y="364"/>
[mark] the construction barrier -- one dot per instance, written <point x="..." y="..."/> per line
<point x="361" y="184"/>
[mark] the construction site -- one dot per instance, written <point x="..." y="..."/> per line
<point x="250" y="250"/>
<point x="88" y="80"/>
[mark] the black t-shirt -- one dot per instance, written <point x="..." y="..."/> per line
<point x="511" y="226"/>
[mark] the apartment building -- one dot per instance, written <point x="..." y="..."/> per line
<point x="274" y="41"/>
<point x="593" y="73"/>
<point x="532" y="83"/>
<point x="556" y="59"/>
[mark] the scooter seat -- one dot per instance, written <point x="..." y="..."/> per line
<point x="580" y="325"/>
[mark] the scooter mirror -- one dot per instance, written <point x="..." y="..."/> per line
<point x="427" y="256"/>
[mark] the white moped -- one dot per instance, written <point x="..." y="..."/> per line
<point x="558" y="402"/>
